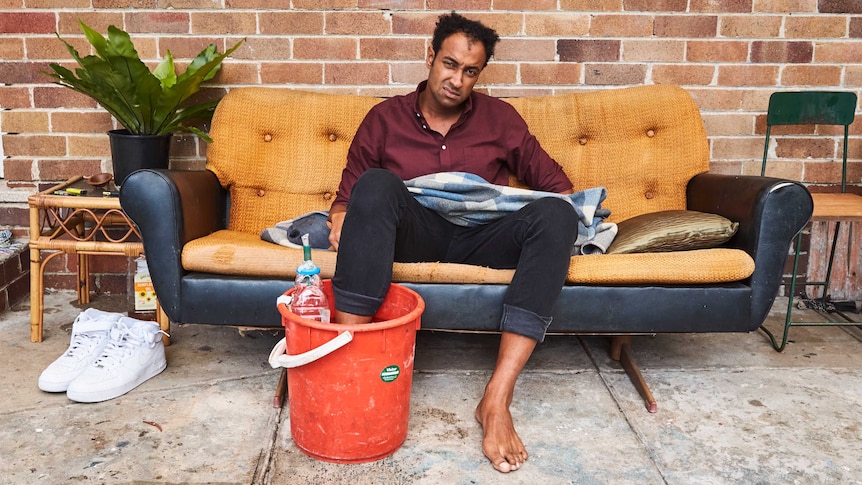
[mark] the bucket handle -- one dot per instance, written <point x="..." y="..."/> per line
<point x="279" y="358"/>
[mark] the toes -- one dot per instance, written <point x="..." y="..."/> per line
<point x="497" y="459"/>
<point x="516" y="462"/>
<point x="506" y="462"/>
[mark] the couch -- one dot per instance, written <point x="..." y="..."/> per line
<point x="278" y="153"/>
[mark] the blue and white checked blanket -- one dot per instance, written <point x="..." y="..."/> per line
<point x="468" y="200"/>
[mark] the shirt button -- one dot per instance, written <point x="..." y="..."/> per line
<point x="444" y="147"/>
<point x="424" y="127"/>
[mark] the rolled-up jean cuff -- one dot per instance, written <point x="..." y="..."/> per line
<point x="524" y="322"/>
<point x="348" y="302"/>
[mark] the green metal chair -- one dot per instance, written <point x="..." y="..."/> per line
<point x="816" y="108"/>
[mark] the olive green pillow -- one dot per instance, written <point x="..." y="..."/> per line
<point x="675" y="230"/>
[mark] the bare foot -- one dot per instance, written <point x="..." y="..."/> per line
<point x="501" y="443"/>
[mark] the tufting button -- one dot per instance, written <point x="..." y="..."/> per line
<point x="332" y="137"/>
<point x="267" y="137"/>
<point x="649" y="195"/>
<point x="261" y="192"/>
<point x="582" y="140"/>
<point x="650" y="133"/>
<point x="327" y="195"/>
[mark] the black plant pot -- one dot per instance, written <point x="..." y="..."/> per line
<point x="134" y="152"/>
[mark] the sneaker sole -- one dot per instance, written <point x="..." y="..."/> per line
<point x="53" y="386"/>
<point x="107" y="394"/>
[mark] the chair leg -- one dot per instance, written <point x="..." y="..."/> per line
<point x="787" y="317"/>
<point x="621" y="346"/>
<point x="820" y="304"/>
<point x="831" y="260"/>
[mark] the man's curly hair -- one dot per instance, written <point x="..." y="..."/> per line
<point x="453" y="23"/>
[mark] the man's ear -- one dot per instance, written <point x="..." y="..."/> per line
<point x="429" y="58"/>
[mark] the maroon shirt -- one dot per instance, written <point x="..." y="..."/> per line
<point x="490" y="140"/>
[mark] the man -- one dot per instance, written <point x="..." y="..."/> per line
<point x="441" y="127"/>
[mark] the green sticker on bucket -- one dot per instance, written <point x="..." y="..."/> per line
<point x="390" y="373"/>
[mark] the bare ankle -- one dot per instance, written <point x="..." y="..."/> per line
<point x="350" y="318"/>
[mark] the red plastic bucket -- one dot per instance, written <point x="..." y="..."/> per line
<point x="349" y="385"/>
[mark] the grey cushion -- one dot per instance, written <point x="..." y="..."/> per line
<point x="289" y="233"/>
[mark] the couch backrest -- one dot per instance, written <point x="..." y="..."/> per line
<point x="280" y="152"/>
<point x="642" y="143"/>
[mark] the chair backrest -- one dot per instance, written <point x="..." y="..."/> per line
<point x="811" y="108"/>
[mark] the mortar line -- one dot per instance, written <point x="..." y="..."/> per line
<point x="638" y="436"/>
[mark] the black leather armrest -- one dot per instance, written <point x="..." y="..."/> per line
<point x="770" y="213"/>
<point x="171" y="208"/>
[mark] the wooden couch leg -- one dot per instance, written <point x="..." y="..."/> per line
<point x="280" y="389"/>
<point x="164" y="324"/>
<point x="621" y="347"/>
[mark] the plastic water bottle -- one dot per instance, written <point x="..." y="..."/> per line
<point x="309" y="301"/>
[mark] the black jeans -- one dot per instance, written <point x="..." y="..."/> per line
<point x="385" y="223"/>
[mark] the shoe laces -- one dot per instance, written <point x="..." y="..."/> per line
<point x="124" y="340"/>
<point x="83" y="343"/>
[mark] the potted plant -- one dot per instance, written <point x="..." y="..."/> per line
<point x="150" y="106"/>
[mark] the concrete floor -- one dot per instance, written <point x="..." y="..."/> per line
<point x="730" y="410"/>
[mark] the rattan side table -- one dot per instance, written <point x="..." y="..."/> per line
<point x="82" y="225"/>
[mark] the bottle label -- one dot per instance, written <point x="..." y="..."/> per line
<point x="145" y="295"/>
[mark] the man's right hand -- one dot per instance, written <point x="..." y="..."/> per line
<point x="336" y="221"/>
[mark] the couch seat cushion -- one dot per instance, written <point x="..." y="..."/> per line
<point x="699" y="266"/>
<point x="244" y="254"/>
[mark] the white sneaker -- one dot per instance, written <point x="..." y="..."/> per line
<point x="90" y="335"/>
<point x="134" y="353"/>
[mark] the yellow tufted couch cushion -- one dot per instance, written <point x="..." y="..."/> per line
<point x="244" y="254"/>
<point x="260" y="138"/>
<point x="643" y="144"/>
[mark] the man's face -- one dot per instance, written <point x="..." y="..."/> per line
<point x="454" y="70"/>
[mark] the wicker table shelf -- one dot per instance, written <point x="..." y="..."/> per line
<point x="82" y="225"/>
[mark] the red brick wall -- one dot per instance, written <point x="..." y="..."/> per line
<point x="730" y="54"/>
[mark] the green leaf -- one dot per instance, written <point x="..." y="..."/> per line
<point x="165" y="71"/>
<point x="205" y="56"/>
<point x="204" y="136"/>
<point x="200" y="112"/>
<point x="188" y="83"/>
<point x="96" y="40"/>
<point x="120" y="44"/>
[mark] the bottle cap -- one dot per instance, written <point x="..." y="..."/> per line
<point x="307" y="270"/>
